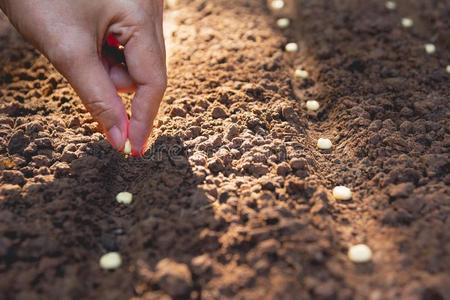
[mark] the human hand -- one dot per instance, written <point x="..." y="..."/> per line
<point x="72" y="34"/>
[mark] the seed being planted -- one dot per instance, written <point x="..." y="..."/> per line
<point x="277" y="4"/>
<point x="407" y="22"/>
<point x="324" y="144"/>
<point x="110" y="261"/>
<point x="342" y="193"/>
<point x="391" y="5"/>
<point x="299" y="73"/>
<point x="360" y="253"/>
<point x="291" y="47"/>
<point x="283" y="22"/>
<point x="127" y="148"/>
<point x="430" y="48"/>
<point x="124" y="197"/>
<point x="312" y="105"/>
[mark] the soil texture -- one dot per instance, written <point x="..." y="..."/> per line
<point x="233" y="199"/>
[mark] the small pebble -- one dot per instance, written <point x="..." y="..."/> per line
<point x="312" y="105"/>
<point x="124" y="197"/>
<point x="110" y="261"/>
<point x="430" y="48"/>
<point x="360" y="253"/>
<point x="277" y="4"/>
<point x="448" y="69"/>
<point x="407" y="22"/>
<point x="391" y="5"/>
<point x="342" y="193"/>
<point x="299" y="73"/>
<point x="127" y="148"/>
<point x="291" y="47"/>
<point x="283" y="22"/>
<point x="324" y="144"/>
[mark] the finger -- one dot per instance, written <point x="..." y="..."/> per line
<point x="121" y="79"/>
<point x="145" y="59"/>
<point x="85" y="72"/>
<point x="114" y="62"/>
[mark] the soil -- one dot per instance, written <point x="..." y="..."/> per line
<point x="233" y="200"/>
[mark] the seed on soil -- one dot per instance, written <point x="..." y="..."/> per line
<point x="283" y="22"/>
<point x="360" y="253"/>
<point x="291" y="47"/>
<point x="312" y="105"/>
<point x="324" y="144"/>
<point x="127" y="148"/>
<point x="407" y="22"/>
<point x="124" y="197"/>
<point x="299" y="73"/>
<point x="391" y="5"/>
<point x="448" y="69"/>
<point x="430" y="48"/>
<point x="277" y="4"/>
<point x="110" y="261"/>
<point x="342" y="193"/>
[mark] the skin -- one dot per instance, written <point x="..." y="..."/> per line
<point x="72" y="35"/>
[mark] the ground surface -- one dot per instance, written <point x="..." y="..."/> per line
<point x="233" y="199"/>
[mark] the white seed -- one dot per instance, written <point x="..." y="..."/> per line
<point x="430" y="48"/>
<point x="324" y="144"/>
<point x="110" y="261"/>
<point x="124" y="197"/>
<point x="171" y="3"/>
<point x="283" y="22"/>
<point x="342" y="193"/>
<point x="391" y="5"/>
<point x="127" y="148"/>
<point x="407" y="22"/>
<point x="448" y="69"/>
<point x="360" y="253"/>
<point x="312" y="105"/>
<point x="277" y="4"/>
<point x="299" y="73"/>
<point x="291" y="47"/>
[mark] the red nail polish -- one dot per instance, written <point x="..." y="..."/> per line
<point x="112" y="41"/>
<point x="135" y="153"/>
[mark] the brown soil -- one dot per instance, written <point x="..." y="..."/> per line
<point x="233" y="199"/>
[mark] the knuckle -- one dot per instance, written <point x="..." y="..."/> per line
<point x="159" y="82"/>
<point x="99" y="109"/>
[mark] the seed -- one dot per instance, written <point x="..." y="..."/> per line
<point x="277" y="4"/>
<point x="430" y="48"/>
<point x="360" y="253"/>
<point x="342" y="193"/>
<point x="407" y="22"/>
<point x="448" y="69"/>
<point x="299" y="73"/>
<point x="324" y="144"/>
<point x="391" y="5"/>
<point x="110" y="261"/>
<point x="291" y="47"/>
<point x="283" y="22"/>
<point x="127" y="148"/>
<point x="312" y="105"/>
<point x="124" y="197"/>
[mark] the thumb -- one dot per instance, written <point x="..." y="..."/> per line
<point x="85" y="72"/>
<point x="145" y="56"/>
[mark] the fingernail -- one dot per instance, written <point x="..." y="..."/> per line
<point x="135" y="153"/>
<point x="114" y="136"/>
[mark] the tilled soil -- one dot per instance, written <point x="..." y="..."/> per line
<point x="233" y="200"/>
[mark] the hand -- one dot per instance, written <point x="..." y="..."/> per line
<point x="72" y="35"/>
